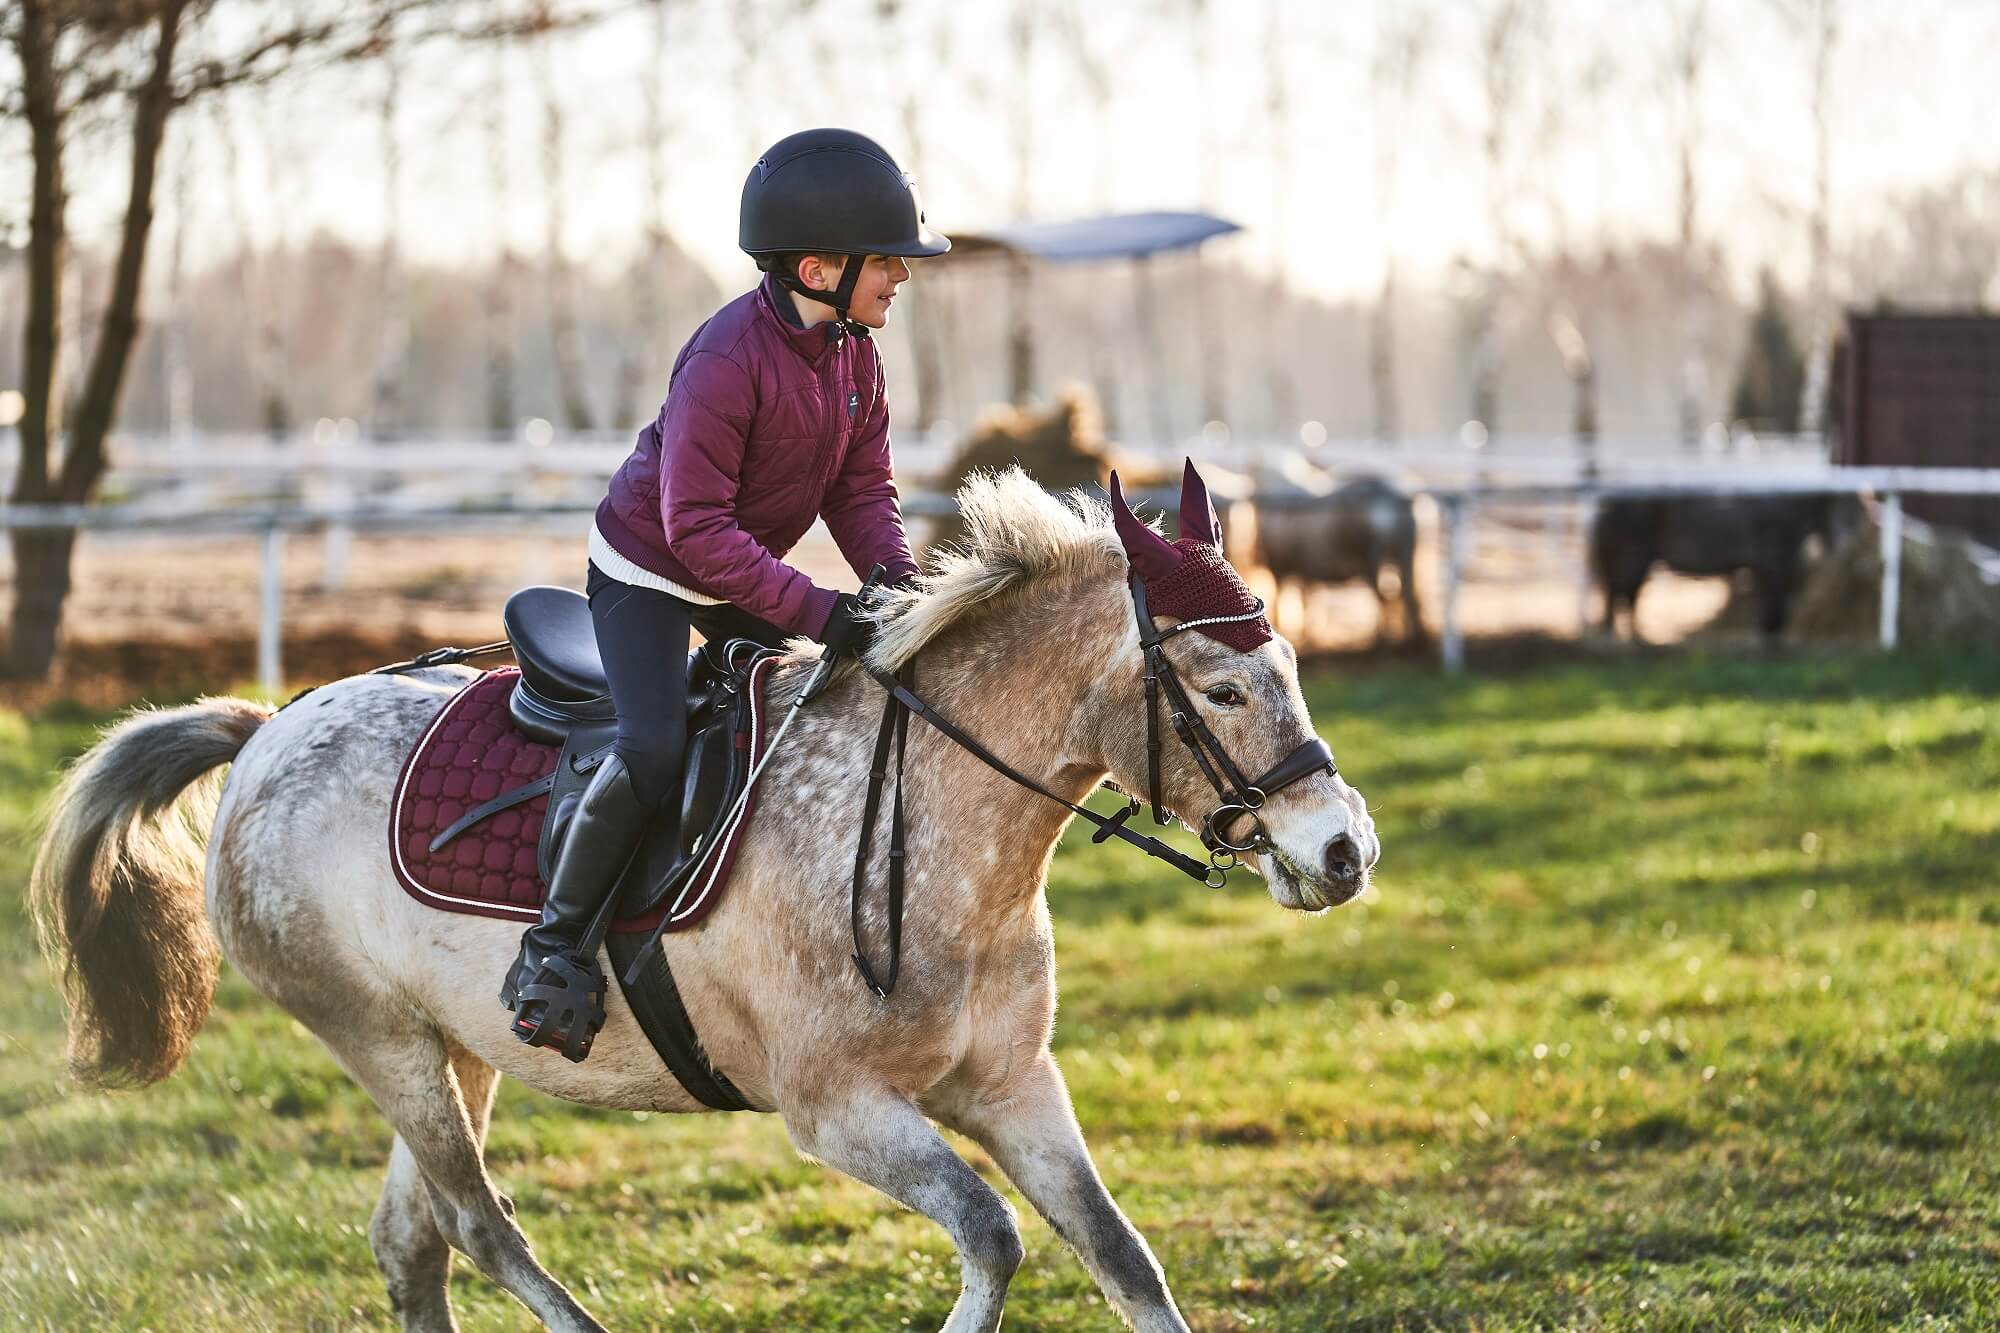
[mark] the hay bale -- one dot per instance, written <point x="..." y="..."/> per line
<point x="1946" y="594"/>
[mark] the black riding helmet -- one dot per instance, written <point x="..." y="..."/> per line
<point x="832" y="192"/>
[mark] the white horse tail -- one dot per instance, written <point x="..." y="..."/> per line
<point x="117" y="886"/>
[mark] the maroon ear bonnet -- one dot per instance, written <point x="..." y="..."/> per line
<point x="1188" y="579"/>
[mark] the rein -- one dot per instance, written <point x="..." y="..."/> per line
<point x="1237" y="799"/>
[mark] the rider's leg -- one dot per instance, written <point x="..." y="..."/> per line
<point x="642" y="636"/>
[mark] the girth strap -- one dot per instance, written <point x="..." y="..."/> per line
<point x="656" y="1002"/>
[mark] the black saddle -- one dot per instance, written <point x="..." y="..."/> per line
<point x="562" y="699"/>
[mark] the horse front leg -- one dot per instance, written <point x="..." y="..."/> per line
<point x="879" y="1138"/>
<point x="1029" y="1128"/>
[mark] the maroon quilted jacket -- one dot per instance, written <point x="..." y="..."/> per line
<point x="766" y="427"/>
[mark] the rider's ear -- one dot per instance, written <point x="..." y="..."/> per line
<point x="1198" y="517"/>
<point x="1150" y="554"/>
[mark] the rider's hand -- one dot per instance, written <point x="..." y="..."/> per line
<point x="848" y="632"/>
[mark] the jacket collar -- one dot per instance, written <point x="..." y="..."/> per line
<point x="775" y="304"/>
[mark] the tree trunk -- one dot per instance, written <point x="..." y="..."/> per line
<point x="42" y="333"/>
<point x="386" y="417"/>
<point x="647" y="365"/>
<point x="567" y="360"/>
<point x="41" y="586"/>
<point x="1819" y="342"/>
<point x="923" y="337"/>
<point x="1382" y="357"/>
<point x="1020" y="331"/>
<point x="1690" y="49"/>
<point x="497" y="304"/>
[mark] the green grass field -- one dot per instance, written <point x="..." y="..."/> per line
<point x="1675" y="1007"/>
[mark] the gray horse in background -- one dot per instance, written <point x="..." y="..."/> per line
<point x="1311" y="531"/>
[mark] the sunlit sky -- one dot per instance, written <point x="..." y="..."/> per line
<point x="1913" y="80"/>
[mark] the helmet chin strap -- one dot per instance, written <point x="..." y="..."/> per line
<point x="839" y="298"/>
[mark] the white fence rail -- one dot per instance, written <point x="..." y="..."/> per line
<point x="1456" y="503"/>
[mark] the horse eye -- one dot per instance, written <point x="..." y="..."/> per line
<point x="1224" y="696"/>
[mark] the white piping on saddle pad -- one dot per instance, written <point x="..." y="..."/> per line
<point x="396" y="818"/>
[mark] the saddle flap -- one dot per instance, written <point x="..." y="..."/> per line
<point x="713" y="776"/>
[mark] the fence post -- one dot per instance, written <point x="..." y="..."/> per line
<point x="270" y="628"/>
<point x="1892" y="565"/>
<point x="1452" y="639"/>
<point x="1586" y="527"/>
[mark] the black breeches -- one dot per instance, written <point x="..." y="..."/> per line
<point x="642" y="635"/>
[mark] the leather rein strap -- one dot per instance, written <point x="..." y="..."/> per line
<point x="902" y="703"/>
<point x="896" y="725"/>
<point x="1238" y="798"/>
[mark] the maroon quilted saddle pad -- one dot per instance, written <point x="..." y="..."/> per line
<point x="471" y="753"/>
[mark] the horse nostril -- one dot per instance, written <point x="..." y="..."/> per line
<point x="1343" y="860"/>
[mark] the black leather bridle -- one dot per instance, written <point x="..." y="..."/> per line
<point x="1239" y="799"/>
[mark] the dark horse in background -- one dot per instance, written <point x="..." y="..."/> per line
<point x="1348" y="535"/>
<point x="1708" y="534"/>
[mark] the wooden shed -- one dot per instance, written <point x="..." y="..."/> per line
<point x="1924" y="391"/>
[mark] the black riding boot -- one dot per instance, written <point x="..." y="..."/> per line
<point x="555" y="988"/>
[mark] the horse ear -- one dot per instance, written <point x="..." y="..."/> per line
<point x="1150" y="554"/>
<point x="1198" y="517"/>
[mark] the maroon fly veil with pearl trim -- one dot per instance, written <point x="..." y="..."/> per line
<point x="1188" y="578"/>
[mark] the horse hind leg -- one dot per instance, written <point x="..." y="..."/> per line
<point x="439" y="1122"/>
<point x="409" y="1246"/>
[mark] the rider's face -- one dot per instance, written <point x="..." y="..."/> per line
<point x="880" y="276"/>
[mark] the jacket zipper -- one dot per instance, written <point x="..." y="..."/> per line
<point x="832" y="446"/>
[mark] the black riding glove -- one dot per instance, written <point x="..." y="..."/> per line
<point x="848" y="632"/>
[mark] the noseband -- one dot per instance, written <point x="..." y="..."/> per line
<point x="1237" y="798"/>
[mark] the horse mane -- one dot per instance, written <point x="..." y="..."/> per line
<point x="1016" y="534"/>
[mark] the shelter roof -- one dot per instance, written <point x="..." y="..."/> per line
<point x="1113" y="236"/>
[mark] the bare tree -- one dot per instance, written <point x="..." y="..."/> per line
<point x="126" y="64"/>
<point x="1093" y="69"/>
<point x="263" y="301"/>
<point x="65" y="58"/>
<point x="1573" y="85"/>
<point x="649" y="355"/>
<point x="1020" y="321"/>
<point x="392" y="349"/>
<point x="1405" y="32"/>
<point x="1214" y="374"/>
<point x="1506" y="31"/>
<point x="497" y="294"/>
<point x="174" y="346"/>
<point x="567" y="340"/>
<point x="1817" y="24"/>
<point x="1689" y="50"/>
<point x="1278" y="130"/>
